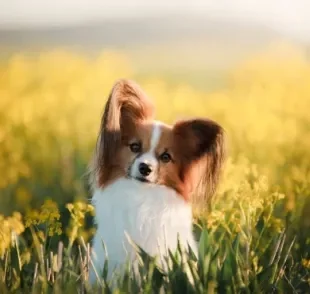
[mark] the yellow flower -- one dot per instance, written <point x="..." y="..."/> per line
<point x="78" y="211"/>
<point x="55" y="110"/>
<point x="306" y="263"/>
<point x="10" y="228"/>
<point x="48" y="215"/>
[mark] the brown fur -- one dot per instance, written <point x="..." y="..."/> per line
<point x="200" y="147"/>
<point x="196" y="146"/>
<point x="126" y="107"/>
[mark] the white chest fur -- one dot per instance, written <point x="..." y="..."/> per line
<point x="153" y="216"/>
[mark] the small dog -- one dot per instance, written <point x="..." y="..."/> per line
<point x="146" y="176"/>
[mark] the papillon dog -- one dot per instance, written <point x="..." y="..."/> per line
<point x="146" y="177"/>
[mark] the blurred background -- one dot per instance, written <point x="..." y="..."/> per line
<point x="243" y="63"/>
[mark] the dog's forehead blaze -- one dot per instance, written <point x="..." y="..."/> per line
<point x="154" y="133"/>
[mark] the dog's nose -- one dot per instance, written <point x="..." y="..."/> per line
<point x="145" y="169"/>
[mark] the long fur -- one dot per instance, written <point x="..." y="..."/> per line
<point x="126" y="103"/>
<point x="153" y="216"/>
<point x="204" y="145"/>
<point x="145" y="209"/>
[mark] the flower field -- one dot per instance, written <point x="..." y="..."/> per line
<point x="255" y="237"/>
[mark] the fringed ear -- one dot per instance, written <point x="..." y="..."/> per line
<point x="201" y="143"/>
<point x="127" y="105"/>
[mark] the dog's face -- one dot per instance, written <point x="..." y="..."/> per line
<point x="136" y="146"/>
<point x="149" y="155"/>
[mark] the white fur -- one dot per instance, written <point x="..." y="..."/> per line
<point x="153" y="216"/>
<point x="155" y="137"/>
<point x="149" y="157"/>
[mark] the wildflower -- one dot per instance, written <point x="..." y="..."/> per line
<point x="306" y="263"/>
<point x="48" y="215"/>
<point x="78" y="211"/>
<point x="10" y="228"/>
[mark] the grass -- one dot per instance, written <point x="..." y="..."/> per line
<point x="255" y="236"/>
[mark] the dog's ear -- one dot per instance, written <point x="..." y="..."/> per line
<point x="201" y="143"/>
<point x="127" y="106"/>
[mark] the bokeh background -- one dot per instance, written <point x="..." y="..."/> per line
<point x="243" y="63"/>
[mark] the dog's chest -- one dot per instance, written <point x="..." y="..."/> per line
<point x="153" y="216"/>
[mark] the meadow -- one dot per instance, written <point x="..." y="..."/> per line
<point x="253" y="238"/>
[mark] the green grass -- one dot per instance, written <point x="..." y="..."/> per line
<point x="226" y="264"/>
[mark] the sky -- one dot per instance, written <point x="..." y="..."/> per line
<point x="291" y="17"/>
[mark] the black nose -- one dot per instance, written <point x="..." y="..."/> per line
<point x="144" y="169"/>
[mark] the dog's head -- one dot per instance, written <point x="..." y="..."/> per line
<point x="183" y="157"/>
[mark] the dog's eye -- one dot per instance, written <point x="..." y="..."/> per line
<point x="165" y="157"/>
<point x="135" y="147"/>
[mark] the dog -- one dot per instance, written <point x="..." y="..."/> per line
<point x="146" y="175"/>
